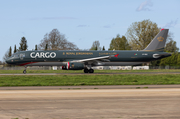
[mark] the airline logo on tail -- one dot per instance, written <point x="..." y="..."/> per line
<point x="160" y="38"/>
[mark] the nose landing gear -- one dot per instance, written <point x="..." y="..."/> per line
<point x="24" y="72"/>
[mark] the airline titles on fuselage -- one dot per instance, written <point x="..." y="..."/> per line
<point x="42" y="54"/>
<point x="77" y="53"/>
<point x="88" y="53"/>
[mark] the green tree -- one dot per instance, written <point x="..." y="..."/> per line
<point x="35" y="47"/>
<point x="46" y="48"/>
<point x="119" y="43"/>
<point x="23" y="44"/>
<point x="95" y="46"/>
<point x="155" y="63"/>
<point x="10" y="52"/>
<point x="141" y="33"/>
<point x="15" y="50"/>
<point x="178" y="60"/>
<point x="103" y="48"/>
<point x="174" y="59"/>
<point x="171" y="61"/>
<point x="56" y="41"/>
<point x="171" y="44"/>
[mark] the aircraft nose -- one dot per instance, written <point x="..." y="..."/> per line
<point x="7" y="60"/>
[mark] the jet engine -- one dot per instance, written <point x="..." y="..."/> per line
<point x="73" y="66"/>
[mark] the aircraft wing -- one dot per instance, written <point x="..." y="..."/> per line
<point x="96" y="59"/>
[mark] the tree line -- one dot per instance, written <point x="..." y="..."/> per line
<point x="138" y="36"/>
<point x="23" y="46"/>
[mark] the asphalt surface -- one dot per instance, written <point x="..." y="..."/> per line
<point x="90" y="87"/>
<point x="138" y="73"/>
<point x="91" y="104"/>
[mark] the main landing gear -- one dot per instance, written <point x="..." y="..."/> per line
<point x="24" y="72"/>
<point x="86" y="70"/>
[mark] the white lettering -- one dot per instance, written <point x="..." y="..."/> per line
<point x="53" y="54"/>
<point x="46" y="55"/>
<point x="43" y="55"/>
<point x="144" y="54"/>
<point x="32" y="55"/>
<point x="37" y="54"/>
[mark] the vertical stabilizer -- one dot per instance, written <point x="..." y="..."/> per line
<point x="159" y="41"/>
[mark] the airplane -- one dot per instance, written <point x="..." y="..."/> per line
<point x="79" y="60"/>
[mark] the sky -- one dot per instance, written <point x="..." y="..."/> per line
<point x="81" y="21"/>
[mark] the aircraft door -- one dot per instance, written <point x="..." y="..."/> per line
<point x="22" y="55"/>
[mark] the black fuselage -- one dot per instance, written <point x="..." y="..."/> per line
<point x="60" y="58"/>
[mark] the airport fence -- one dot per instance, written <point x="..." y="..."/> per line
<point x="164" y="67"/>
<point x="97" y="68"/>
<point x="28" y="68"/>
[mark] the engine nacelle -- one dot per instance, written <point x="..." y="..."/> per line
<point x="73" y="66"/>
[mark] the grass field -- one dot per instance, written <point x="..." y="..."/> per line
<point x="76" y="80"/>
<point x="84" y="79"/>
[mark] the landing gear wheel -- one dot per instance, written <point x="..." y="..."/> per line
<point x="86" y="71"/>
<point x="91" y="70"/>
<point x="24" y="71"/>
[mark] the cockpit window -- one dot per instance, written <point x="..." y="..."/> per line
<point x="15" y="56"/>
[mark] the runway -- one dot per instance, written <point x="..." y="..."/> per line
<point x="90" y="104"/>
<point x="90" y="87"/>
<point x="137" y="73"/>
